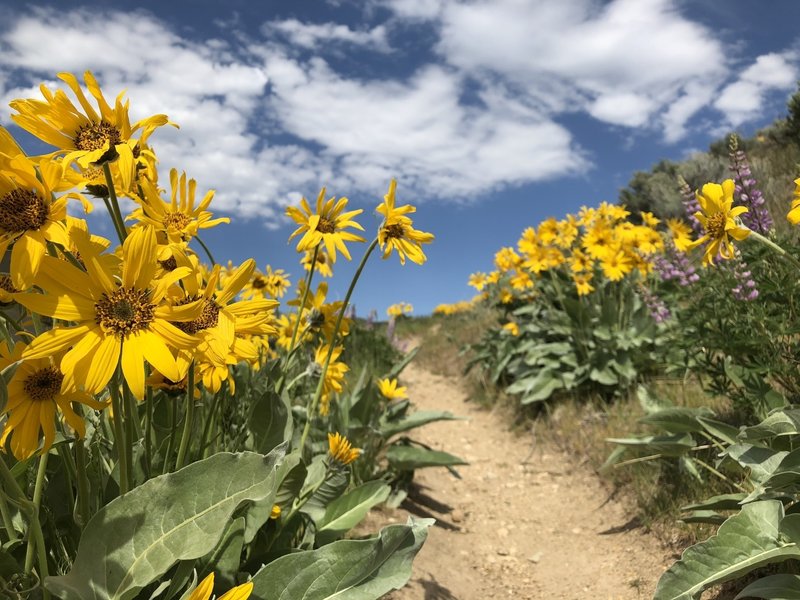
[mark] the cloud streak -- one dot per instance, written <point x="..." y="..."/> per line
<point x="266" y="119"/>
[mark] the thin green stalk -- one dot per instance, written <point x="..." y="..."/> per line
<point x="112" y="197"/>
<point x="304" y="299"/>
<point x="207" y="251"/>
<point x="82" y="478"/>
<point x="188" y="420"/>
<point x="120" y="441"/>
<point x="209" y="417"/>
<point x="148" y="430"/>
<point x="114" y="222"/>
<point x="8" y="524"/>
<point x="173" y="430"/>
<point x="754" y="235"/>
<point x="318" y="393"/>
<point x="37" y="503"/>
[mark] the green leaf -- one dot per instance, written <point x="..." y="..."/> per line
<point x="782" y="422"/>
<point x="720" y="502"/>
<point x="773" y="587"/>
<point x="345" y="570"/>
<point x="270" y="422"/>
<point x="704" y="516"/>
<point x="398" y="368"/>
<point x="678" y="419"/>
<point x="225" y="558"/>
<point x="744" y="542"/>
<point x="414" y="420"/>
<point x="137" y="537"/>
<point x="727" y="433"/>
<point x="349" y="510"/>
<point x="668" y="445"/>
<point x="604" y="376"/>
<point x="259" y="511"/>
<point x="762" y="462"/>
<point x="332" y="486"/>
<point x="408" y="458"/>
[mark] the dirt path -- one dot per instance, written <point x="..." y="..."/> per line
<point x="518" y="524"/>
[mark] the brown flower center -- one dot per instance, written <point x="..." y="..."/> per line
<point x="124" y="311"/>
<point x="169" y="265"/>
<point x="44" y="384"/>
<point x="209" y="317"/>
<point x="715" y="225"/>
<point x="177" y="220"/>
<point x="6" y="284"/>
<point x="259" y="282"/>
<point x="326" y="225"/>
<point x="95" y="135"/>
<point x="22" y="210"/>
<point x="396" y="230"/>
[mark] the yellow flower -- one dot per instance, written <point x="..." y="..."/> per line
<point x="29" y="217"/>
<point x="178" y="220"/>
<point x="583" y="283"/>
<point x="507" y="259"/>
<point x="616" y="264"/>
<point x="334" y="377"/>
<point x="718" y="218"/>
<point x="87" y="135"/>
<point x="203" y="591"/>
<point x="511" y="328"/>
<point x="649" y="219"/>
<point x="322" y="264"/>
<point x="341" y="450"/>
<point x="34" y="397"/>
<point x="275" y="513"/>
<point x="277" y="282"/>
<point x="794" y="214"/>
<point x="390" y="391"/>
<point x="318" y="315"/>
<point x="580" y="262"/>
<point x="397" y="231"/>
<point x="478" y="281"/>
<point x="107" y="313"/>
<point x="598" y="240"/>
<point x="399" y="309"/>
<point x="681" y="234"/>
<point x="327" y="225"/>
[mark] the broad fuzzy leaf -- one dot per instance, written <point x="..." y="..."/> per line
<point x="415" y="420"/>
<point x="349" y="510"/>
<point x="406" y="458"/>
<point x="345" y="570"/>
<point x="136" y="538"/>
<point x="744" y="542"/>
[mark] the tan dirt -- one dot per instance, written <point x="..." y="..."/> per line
<point x="522" y="522"/>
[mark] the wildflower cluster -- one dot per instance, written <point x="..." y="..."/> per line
<point x="102" y="338"/>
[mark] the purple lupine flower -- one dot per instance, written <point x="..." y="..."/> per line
<point x="658" y="309"/>
<point x="675" y="265"/>
<point x="746" y="192"/>
<point x="745" y="289"/>
<point x="690" y="205"/>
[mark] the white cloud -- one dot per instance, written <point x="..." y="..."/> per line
<point x="742" y="100"/>
<point x="309" y="35"/>
<point x="263" y="123"/>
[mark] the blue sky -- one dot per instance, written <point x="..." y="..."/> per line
<point x="492" y="114"/>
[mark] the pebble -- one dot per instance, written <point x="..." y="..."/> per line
<point x="535" y="558"/>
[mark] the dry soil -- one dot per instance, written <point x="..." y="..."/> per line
<point x="521" y="522"/>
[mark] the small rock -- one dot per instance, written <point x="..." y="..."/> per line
<point x="502" y="552"/>
<point x="457" y="516"/>
<point x="535" y="558"/>
<point x="576" y="530"/>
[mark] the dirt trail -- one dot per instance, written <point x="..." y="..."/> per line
<point x="521" y="522"/>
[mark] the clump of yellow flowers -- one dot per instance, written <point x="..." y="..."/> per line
<point x="94" y="329"/>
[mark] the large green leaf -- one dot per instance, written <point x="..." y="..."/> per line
<point x="270" y="422"/>
<point x="745" y="541"/>
<point x="137" y="537"/>
<point x="773" y="587"/>
<point x="678" y="419"/>
<point x="329" y="486"/>
<point x="782" y="422"/>
<point x="345" y="570"/>
<point x="415" y="420"/>
<point x="405" y="458"/>
<point x="349" y="510"/>
<point x="224" y="560"/>
<point x="667" y="445"/>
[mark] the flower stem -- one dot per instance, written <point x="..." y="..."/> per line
<point x="188" y="419"/>
<point x="116" y="214"/>
<point x="304" y="299"/>
<point x="342" y="310"/>
<point x="8" y="524"/>
<point x="207" y="251"/>
<point x="37" y="502"/>
<point x="148" y="430"/>
<point x="173" y="430"/>
<point x="83" y="483"/>
<point x="209" y="418"/>
<point x="120" y="441"/>
<point x="773" y="246"/>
